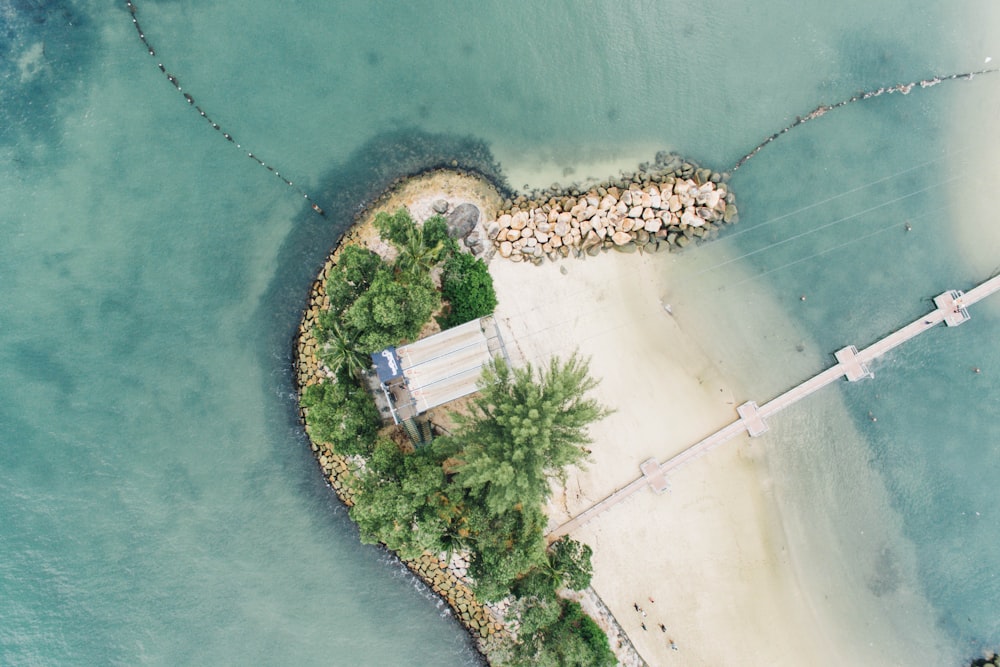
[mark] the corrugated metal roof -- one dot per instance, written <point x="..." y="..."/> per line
<point x="446" y="366"/>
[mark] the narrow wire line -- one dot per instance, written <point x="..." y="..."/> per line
<point x="824" y="226"/>
<point x="822" y="202"/>
<point x="905" y="224"/>
<point x="190" y="100"/>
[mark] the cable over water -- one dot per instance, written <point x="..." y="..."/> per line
<point x="819" y="111"/>
<point x="190" y="100"/>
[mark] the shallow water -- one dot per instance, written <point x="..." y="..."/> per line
<point x="160" y="505"/>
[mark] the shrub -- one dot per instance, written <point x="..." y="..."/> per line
<point x="467" y="285"/>
<point x="435" y="231"/>
<point x="559" y="633"/>
<point x="353" y="274"/>
<point x="391" y="310"/>
<point x="343" y="415"/>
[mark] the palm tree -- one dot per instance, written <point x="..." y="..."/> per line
<point x="415" y="257"/>
<point x="340" y="351"/>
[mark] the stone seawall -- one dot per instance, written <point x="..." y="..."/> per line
<point x="446" y="578"/>
<point x="667" y="205"/>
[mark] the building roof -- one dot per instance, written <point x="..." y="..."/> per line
<point x="447" y="365"/>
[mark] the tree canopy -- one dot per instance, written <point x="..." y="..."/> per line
<point x="524" y="429"/>
<point x="467" y="286"/>
<point x="343" y="415"/>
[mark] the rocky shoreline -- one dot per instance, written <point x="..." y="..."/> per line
<point x="446" y="578"/>
<point x="664" y="206"/>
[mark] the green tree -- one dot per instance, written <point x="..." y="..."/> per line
<point x="523" y="429"/>
<point x="467" y="286"/>
<point x="567" y="566"/>
<point x="569" y="563"/>
<point x="351" y="276"/>
<point x="435" y="231"/>
<point x="401" y="503"/>
<point x="391" y="310"/>
<point x="416" y="258"/>
<point x="419" y="250"/>
<point x="568" y="638"/>
<point x="343" y="415"/>
<point x="340" y="350"/>
<point x="395" y="227"/>
<point x="505" y="546"/>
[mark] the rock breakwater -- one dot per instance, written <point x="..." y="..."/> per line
<point x="665" y="206"/>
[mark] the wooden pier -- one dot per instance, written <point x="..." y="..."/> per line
<point x="951" y="307"/>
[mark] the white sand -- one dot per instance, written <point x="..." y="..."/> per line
<point x="711" y="552"/>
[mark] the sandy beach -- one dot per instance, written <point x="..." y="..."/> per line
<point x="710" y="552"/>
<point x="712" y="559"/>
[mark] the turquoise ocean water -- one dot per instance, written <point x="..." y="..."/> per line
<point x="158" y="504"/>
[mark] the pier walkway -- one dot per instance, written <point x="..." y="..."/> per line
<point x="951" y="307"/>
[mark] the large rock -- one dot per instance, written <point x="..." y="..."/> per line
<point x="462" y="220"/>
<point x="506" y="248"/>
<point x="691" y="219"/>
<point x="621" y="238"/>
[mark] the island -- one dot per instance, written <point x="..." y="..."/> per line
<point x="453" y="436"/>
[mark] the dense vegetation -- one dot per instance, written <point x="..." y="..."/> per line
<point x="480" y="490"/>
<point x="467" y="286"/>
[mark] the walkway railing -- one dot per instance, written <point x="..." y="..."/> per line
<point x="951" y="307"/>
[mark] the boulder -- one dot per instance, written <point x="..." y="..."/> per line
<point x="591" y="240"/>
<point x="462" y="220"/>
<point x="440" y="206"/>
<point x="506" y="248"/>
<point x="518" y="221"/>
<point x="691" y="219"/>
<point x="621" y="238"/>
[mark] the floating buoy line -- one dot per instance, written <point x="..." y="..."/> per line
<point x="903" y="88"/>
<point x="201" y="112"/>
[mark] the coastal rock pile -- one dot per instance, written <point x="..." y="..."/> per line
<point x="665" y="208"/>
